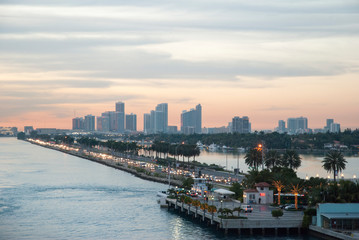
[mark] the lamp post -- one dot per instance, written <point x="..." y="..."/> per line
<point x="261" y="147"/>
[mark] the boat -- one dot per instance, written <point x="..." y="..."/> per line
<point x="213" y="147"/>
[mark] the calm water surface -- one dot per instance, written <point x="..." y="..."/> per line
<point x="45" y="194"/>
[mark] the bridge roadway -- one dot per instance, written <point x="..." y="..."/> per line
<point x="260" y="219"/>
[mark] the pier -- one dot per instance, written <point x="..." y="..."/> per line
<point x="260" y="221"/>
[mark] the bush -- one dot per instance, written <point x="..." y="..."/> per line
<point x="307" y="220"/>
<point x="277" y="213"/>
<point x="310" y="212"/>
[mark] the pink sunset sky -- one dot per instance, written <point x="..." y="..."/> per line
<point x="265" y="60"/>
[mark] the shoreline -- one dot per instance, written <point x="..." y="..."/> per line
<point x="116" y="166"/>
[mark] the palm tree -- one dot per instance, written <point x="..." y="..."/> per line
<point x="238" y="209"/>
<point x="196" y="204"/>
<point x="296" y="190"/>
<point x="279" y="186"/>
<point x="212" y="209"/>
<point x="253" y="158"/>
<point x="291" y="159"/>
<point x="334" y="162"/>
<point x="272" y="159"/>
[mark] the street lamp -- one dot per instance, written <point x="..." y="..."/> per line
<point x="261" y="148"/>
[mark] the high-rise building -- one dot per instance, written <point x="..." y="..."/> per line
<point x="241" y="125"/>
<point x="191" y="121"/>
<point x="131" y="122"/>
<point x="120" y="117"/>
<point x="281" y="126"/>
<point x="330" y="121"/>
<point x="89" y="123"/>
<point x="297" y="125"/>
<point x="78" y="123"/>
<point x="157" y="120"/>
<point x="147" y="123"/>
<point x="120" y="107"/>
<point x="334" y="127"/>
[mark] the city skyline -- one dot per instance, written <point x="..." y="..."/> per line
<point x="266" y="60"/>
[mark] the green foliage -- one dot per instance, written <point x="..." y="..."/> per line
<point x="277" y="213"/>
<point x="21" y="136"/>
<point x="238" y="190"/>
<point x="187" y="183"/>
<point x="334" y="162"/>
<point x="291" y="159"/>
<point x="310" y="212"/>
<point x="307" y="220"/>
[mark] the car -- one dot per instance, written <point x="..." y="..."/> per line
<point x="247" y="208"/>
<point x="284" y="205"/>
<point x="292" y="207"/>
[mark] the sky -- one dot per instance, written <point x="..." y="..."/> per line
<point x="268" y="60"/>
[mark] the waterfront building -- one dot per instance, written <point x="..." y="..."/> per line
<point x="342" y="217"/>
<point x="191" y="121"/>
<point x="131" y="122"/>
<point x="260" y="195"/>
<point x="78" y="123"/>
<point x="297" y="125"/>
<point x="157" y="120"/>
<point x="47" y="131"/>
<point x="89" y="123"/>
<point x="241" y="125"/>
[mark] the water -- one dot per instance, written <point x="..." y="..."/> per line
<point x="45" y="194"/>
<point x="311" y="164"/>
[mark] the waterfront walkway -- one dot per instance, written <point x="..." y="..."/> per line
<point x="260" y="220"/>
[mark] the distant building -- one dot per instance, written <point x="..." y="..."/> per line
<point x="28" y="130"/>
<point x="78" y="123"/>
<point x="89" y="123"/>
<point x="191" y="121"/>
<point x="241" y="125"/>
<point x="157" y="120"/>
<point x="172" y="129"/>
<point x="329" y="122"/>
<point x="131" y="122"/>
<point x="47" y="131"/>
<point x="297" y="125"/>
<point x="281" y="126"/>
<point x="146" y="123"/>
<point x="334" y="128"/>
<point x="120" y="117"/>
<point x="215" y="130"/>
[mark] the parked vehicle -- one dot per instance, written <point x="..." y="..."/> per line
<point x="292" y="207"/>
<point x="247" y="208"/>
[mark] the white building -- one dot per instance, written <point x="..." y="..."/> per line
<point x="260" y="195"/>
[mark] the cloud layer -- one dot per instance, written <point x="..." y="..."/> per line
<point x="57" y="56"/>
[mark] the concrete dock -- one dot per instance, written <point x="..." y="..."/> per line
<point x="260" y="221"/>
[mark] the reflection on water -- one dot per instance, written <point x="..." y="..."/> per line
<point x="311" y="164"/>
<point x="46" y="194"/>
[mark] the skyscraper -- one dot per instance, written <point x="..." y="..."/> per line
<point x="191" y="121"/>
<point x="146" y="123"/>
<point x="89" y="123"/>
<point x="157" y="120"/>
<point x="297" y="125"/>
<point x="281" y="126"/>
<point x="241" y="125"/>
<point x="131" y="122"/>
<point x="77" y="123"/>
<point x="120" y="117"/>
